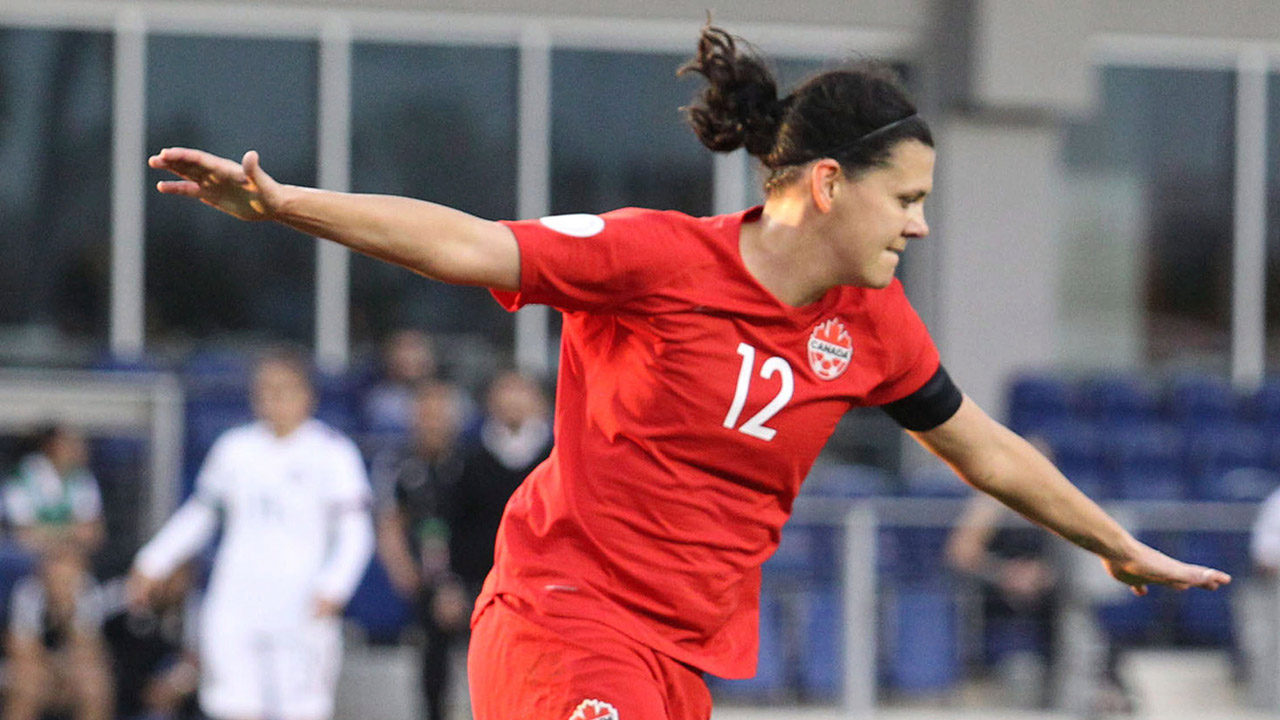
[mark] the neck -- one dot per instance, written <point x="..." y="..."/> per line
<point x="285" y="429"/>
<point x="780" y="253"/>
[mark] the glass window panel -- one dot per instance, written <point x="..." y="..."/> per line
<point x="1147" y="252"/>
<point x="55" y="194"/>
<point x="618" y="137"/>
<point x="1273" y="224"/>
<point x="437" y="123"/>
<point x="211" y="277"/>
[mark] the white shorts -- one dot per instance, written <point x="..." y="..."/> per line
<point x="276" y="674"/>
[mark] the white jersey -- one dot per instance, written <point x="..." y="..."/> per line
<point x="296" y="525"/>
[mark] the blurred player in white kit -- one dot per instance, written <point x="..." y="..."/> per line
<point x="297" y="534"/>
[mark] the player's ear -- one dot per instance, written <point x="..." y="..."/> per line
<point x="824" y="176"/>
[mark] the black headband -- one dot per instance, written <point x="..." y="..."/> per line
<point x="878" y="131"/>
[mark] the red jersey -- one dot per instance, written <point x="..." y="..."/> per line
<point x="690" y="405"/>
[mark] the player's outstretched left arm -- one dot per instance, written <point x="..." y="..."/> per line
<point x="998" y="462"/>
<point x="430" y="239"/>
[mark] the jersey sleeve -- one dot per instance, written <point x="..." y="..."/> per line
<point x="19" y="508"/>
<point x="212" y="481"/>
<point x="351" y="483"/>
<point x="1264" y="542"/>
<point x="911" y="357"/>
<point x="594" y="262"/>
<point x="353" y="535"/>
<point x="26" y="609"/>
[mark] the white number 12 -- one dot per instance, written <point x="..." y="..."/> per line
<point x="774" y="365"/>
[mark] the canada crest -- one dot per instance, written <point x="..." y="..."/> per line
<point x="594" y="710"/>
<point x="830" y="349"/>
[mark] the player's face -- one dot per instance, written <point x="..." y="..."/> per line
<point x="281" y="397"/>
<point x="514" y="400"/>
<point x="437" y="418"/>
<point x="876" y="213"/>
<point x="68" y="451"/>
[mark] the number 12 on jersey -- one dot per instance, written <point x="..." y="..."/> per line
<point x="755" y="426"/>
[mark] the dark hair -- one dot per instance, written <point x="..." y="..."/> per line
<point x="855" y="114"/>
<point x="43" y="437"/>
<point x="289" y="357"/>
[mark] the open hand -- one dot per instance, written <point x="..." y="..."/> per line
<point x="1149" y="566"/>
<point x="140" y="590"/>
<point x="243" y="190"/>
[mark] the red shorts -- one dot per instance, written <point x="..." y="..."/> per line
<point x="525" y="665"/>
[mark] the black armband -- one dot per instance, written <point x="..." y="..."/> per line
<point x="930" y="406"/>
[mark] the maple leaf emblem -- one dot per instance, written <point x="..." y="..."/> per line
<point x="830" y="349"/>
<point x="594" y="710"/>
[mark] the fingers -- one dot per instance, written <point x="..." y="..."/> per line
<point x="197" y="166"/>
<point x="1210" y="579"/>
<point x="185" y="188"/>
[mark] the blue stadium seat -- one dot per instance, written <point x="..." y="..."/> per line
<point x="805" y="551"/>
<point x="377" y="608"/>
<point x="1200" y="399"/>
<point x="1118" y="399"/>
<point x="1244" y="484"/>
<point x="912" y="555"/>
<point x="1214" y="451"/>
<point x="215" y="362"/>
<point x="923" y="654"/>
<point x="1075" y="446"/>
<point x="1145" y="461"/>
<point x="337" y="400"/>
<point x="847" y="481"/>
<point x="1204" y="618"/>
<point x="822" y="652"/>
<point x="1262" y="406"/>
<point x="1038" y="399"/>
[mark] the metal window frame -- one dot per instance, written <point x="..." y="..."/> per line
<point x="534" y="37"/>
<point x="1251" y="62"/>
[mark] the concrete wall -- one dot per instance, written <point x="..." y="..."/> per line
<point x="897" y="15"/>
<point x="997" y="292"/>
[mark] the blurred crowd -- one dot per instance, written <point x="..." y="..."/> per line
<point x="428" y="476"/>
<point x="434" y="472"/>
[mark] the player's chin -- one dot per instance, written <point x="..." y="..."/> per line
<point x="882" y="277"/>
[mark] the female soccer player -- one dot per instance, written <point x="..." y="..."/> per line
<point x="704" y="362"/>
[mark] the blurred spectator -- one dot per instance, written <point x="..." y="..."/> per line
<point x="413" y="483"/>
<point x="1255" y="602"/>
<point x="514" y="438"/>
<point x="408" y="360"/>
<point x="1264" y="543"/>
<point x="52" y="500"/>
<point x="57" y="659"/>
<point x="154" y="648"/>
<point x="297" y="537"/>
<point x="1018" y="581"/>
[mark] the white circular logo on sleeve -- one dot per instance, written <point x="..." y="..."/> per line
<point x="577" y="225"/>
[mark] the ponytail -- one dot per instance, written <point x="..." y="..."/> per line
<point x="855" y="114"/>
<point x="740" y="105"/>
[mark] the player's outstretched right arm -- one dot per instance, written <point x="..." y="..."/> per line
<point x="432" y="240"/>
